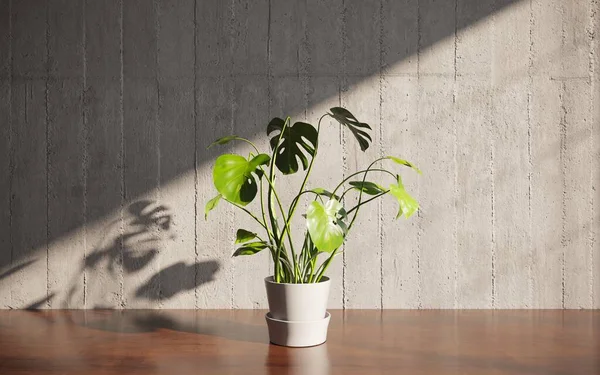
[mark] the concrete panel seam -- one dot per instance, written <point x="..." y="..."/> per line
<point x="47" y="89"/>
<point x="123" y="301"/>
<point x="196" y="153"/>
<point x="85" y="138"/>
<point x="529" y="152"/>
<point x="454" y="156"/>
<point x="381" y="152"/>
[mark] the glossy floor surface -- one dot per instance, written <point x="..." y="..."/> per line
<point x="360" y="342"/>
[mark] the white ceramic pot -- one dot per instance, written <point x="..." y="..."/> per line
<point x="298" y="334"/>
<point x="298" y="302"/>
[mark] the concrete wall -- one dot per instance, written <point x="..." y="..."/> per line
<point x="106" y="109"/>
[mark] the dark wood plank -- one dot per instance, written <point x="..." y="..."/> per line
<point x="360" y="342"/>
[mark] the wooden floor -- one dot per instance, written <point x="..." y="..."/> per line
<point x="360" y="342"/>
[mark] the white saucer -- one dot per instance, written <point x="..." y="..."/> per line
<point x="298" y="334"/>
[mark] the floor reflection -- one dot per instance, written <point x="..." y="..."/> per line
<point x="298" y="361"/>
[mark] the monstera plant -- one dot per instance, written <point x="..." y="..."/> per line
<point x="242" y="180"/>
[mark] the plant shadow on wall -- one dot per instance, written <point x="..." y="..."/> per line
<point x="232" y="59"/>
<point x="135" y="247"/>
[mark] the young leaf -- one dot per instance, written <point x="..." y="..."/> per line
<point x="295" y="141"/>
<point x="325" y="225"/>
<point x="326" y="193"/>
<point x="233" y="177"/>
<point x="367" y="187"/>
<point x="251" y="248"/>
<point x="404" y="162"/>
<point x="344" y="117"/>
<point x="243" y="235"/>
<point x="210" y="205"/>
<point x="226" y="139"/>
<point x="408" y="205"/>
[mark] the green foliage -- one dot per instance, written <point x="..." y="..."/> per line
<point x="295" y="141"/>
<point x="403" y="162"/>
<point x="326" y="225"/>
<point x="408" y="205"/>
<point x="243" y="235"/>
<point x="251" y="248"/>
<point x="227" y="139"/>
<point x="323" y="192"/>
<point x="240" y="180"/>
<point x="233" y="177"/>
<point x="367" y="187"/>
<point x="210" y="205"/>
<point x="344" y="117"/>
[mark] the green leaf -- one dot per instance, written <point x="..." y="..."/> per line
<point x="251" y="248"/>
<point x="404" y="162"/>
<point x="258" y="160"/>
<point x="233" y="177"/>
<point x="325" y="224"/>
<point x="326" y="193"/>
<point x="408" y="205"/>
<point x="367" y="187"/>
<point x="243" y="235"/>
<point x="344" y="117"/>
<point x="227" y="139"/>
<point x="296" y="140"/>
<point x="210" y="205"/>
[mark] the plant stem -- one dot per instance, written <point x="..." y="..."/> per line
<point x="270" y="201"/>
<point x="251" y="214"/>
<point x="297" y="197"/>
<point x="367" y="201"/>
<point x="325" y="265"/>
<point x="251" y="144"/>
<point x="361" y="194"/>
<point x="312" y="160"/>
<point x="365" y="171"/>
<point x="295" y="201"/>
<point x="262" y="203"/>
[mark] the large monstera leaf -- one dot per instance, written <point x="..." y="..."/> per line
<point x="326" y="224"/>
<point x="233" y="177"/>
<point x="408" y="204"/>
<point x="296" y="140"/>
<point x="344" y="117"/>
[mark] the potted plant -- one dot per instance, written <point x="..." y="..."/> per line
<point x="298" y="290"/>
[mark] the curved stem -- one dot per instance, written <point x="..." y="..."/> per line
<point x="297" y="197"/>
<point x="347" y="191"/>
<point x="262" y="209"/>
<point x="312" y="160"/>
<point x="286" y="229"/>
<point x="360" y="195"/>
<point x="367" y="201"/>
<point x="251" y="214"/>
<point x="294" y="204"/>
<point x="365" y="171"/>
<point x="247" y="141"/>
<point x="270" y="201"/>
<point x="325" y="265"/>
